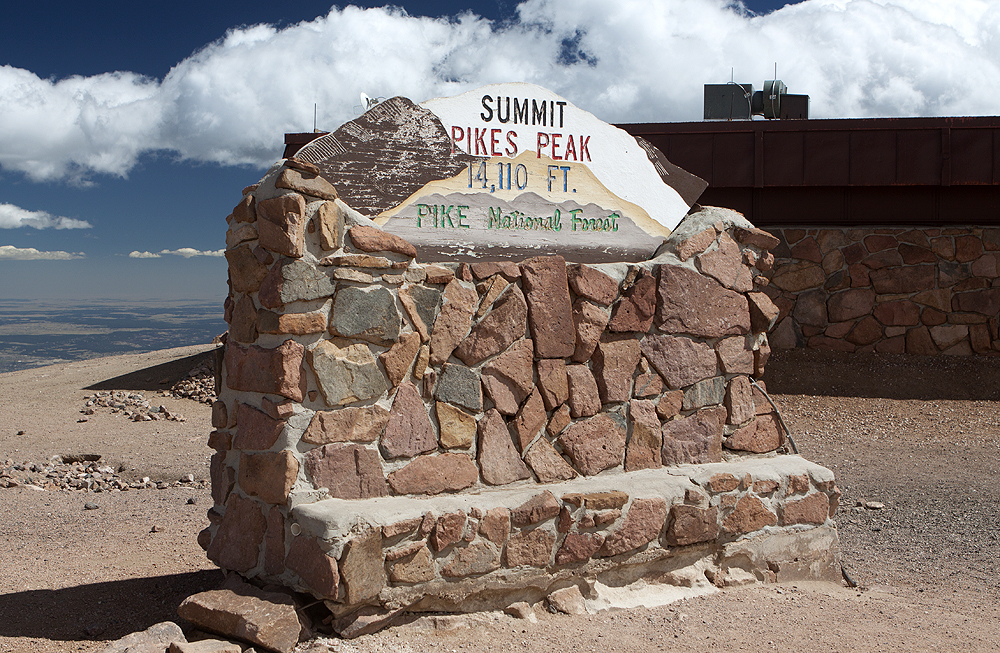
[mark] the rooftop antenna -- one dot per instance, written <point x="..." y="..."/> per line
<point x="315" y="115"/>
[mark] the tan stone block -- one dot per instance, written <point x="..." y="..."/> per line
<point x="362" y="568"/>
<point x="531" y="548"/>
<point x="458" y="428"/>
<point x="269" y="475"/>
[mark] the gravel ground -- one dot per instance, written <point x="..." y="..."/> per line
<point x="915" y="439"/>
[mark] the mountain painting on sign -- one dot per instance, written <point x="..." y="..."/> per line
<point x="505" y="171"/>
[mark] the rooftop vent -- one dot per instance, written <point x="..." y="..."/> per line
<point x="734" y="101"/>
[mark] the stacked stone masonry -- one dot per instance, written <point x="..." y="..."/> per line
<point x="394" y="433"/>
<point x="922" y="291"/>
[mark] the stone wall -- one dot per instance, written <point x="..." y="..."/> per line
<point x="394" y="433"/>
<point x="893" y="290"/>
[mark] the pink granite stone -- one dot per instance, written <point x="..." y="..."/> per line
<point x="349" y="471"/>
<point x="550" y="312"/>
<point x="498" y="458"/>
<point x="615" y="360"/>
<point x="409" y="431"/>
<point x="643" y="523"/>
<point x="594" y="444"/>
<point x="584" y="397"/>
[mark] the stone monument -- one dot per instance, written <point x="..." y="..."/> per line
<point x="482" y="349"/>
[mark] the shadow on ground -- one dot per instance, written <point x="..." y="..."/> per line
<point x="100" y="611"/>
<point x="889" y="376"/>
<point x="158" y="377"/>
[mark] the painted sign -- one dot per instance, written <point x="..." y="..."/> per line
<point x="506" y="171"/>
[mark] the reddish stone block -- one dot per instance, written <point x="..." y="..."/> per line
<point x="643" y="523"/>
<point x="269" y="371"/>
<point x="547" y="464"/>
<point x="723" y="483"/>
<point x="919" y="341"/>
<point x="536" y="509"/>
<point x="643" y="451"/>
<point x="680" y="361"/>
<point x="269" y="475"/>
<point x="398" y="359"/>
<point x="894" y="345"/>
<point x="354" y="424"/>
<point x="798" y="276"/>
<point x="236" y="545"/>
<point x="850" y="304"/>
<point x="255" y="430"/>
<point x="756" y="237"/>
<point x="739" y="400"/>
<point x="245" y="272"/>
<point x="877" y="243"/>
<point x="281" y="226"/>
<point x="884" y="259"/>
<point x="584" y="397"/>
<point x="854" y="253"/>
<point x="349" y="471"/>
<point x="448" y="530"/>
<point x="902" y="313"/>
<point x="453" y="322"/>
<point x="865" y="332"/>
<point x="696" y="244"/>
<point x="530" y="420"/>
<point x="759" y="436"/>
<point x="690" y="525"/>
<point x="317" y="570"/>
<point x="550" y="311"/>
<point x="638" y="304"/>
<point x="495" y="332"/>
<point x="594" y="444"/>
<point x="734" y="355"/>
<point x="495" y="525"/>
<point x="670" y="404"/>
<point x="903" y="280"/>
<point x="498" y="458"/>
<point x="763" y="312"/>
<point x="749" y="515"/>
<point x="370" y="239"/>
<point x="985" y="302"/>
<point x="592" y="284"/>
<point x="408" y="431"/>
<point x="814" y="509"/>
<point x="615" y="360"/>
<point x="807" y="249"/>
<point x="968" y="248"/>
<point x="553" y="382"/>
<point x="589" y="322"/>
<point x="508" y="269"/>
<point x="979" y="335"/>
<point x="530" y="548"/>
<point x="448" y="472"/>
<point x="508" y="378"/>
<point x="577" y="547"/>
<point x="694" y="304"/>
<point x="694" y="439"/>
<point x="913" y="255"/>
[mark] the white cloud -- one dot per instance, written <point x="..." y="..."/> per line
<point x="630" y="61"/>
<point x="12" y="217"/>
<point x="11" y="253"/>
<point x="186" y="252"/>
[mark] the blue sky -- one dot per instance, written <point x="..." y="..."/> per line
<point x="131" y="127"/>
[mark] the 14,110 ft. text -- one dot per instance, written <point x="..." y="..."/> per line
<point x="510" y="177"/>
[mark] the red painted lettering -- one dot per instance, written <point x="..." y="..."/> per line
<point x="555" y="144"/>
<point x="512" y="147"/>
<point x="583" y="147"/>
<point x="480" y="142"/>
<point x="494" y="141"/>
<point x="457" y="135"/>
<point x="570" y="149"/>
<point x="540" y="145"/>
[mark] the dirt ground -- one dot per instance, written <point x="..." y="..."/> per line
<point x="919" y="436"/>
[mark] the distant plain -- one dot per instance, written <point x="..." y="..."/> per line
<point x="35" y="333"/>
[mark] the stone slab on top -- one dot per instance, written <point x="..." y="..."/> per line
<point x="507" y="171"/>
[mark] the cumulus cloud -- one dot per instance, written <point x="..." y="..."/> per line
<point x="186" y="252"/>
<point x="11" y="253"/>
<point x="631" y="61"/>
<point x="12" y="217"/>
